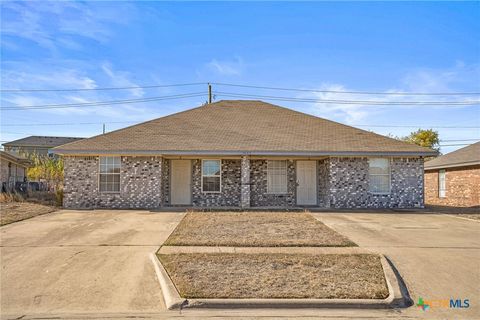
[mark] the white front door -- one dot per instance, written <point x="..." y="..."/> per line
<point x="180" y="187"/>
<point x="306" y="182"/>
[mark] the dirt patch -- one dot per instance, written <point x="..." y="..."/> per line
<point x="17" y="211"/>
<point x="329" y="276"/>
<point x="255" y="229"/>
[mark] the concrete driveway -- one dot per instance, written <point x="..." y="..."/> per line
<point x="95" y="264"/>
<point x="83" y="261"/>
<point x="438" y="256"/>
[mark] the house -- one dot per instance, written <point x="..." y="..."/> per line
<point x="39" y="145"/>
<point x="454" y="178"/>
<point x="242" y="154"/>
<point x="13" y="169"/>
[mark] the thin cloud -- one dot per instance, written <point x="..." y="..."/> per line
<point x="121" y="79"/>
<point x="421" y="80"/>
<point x="62" y="24"/>
<point x="228" y="68"/>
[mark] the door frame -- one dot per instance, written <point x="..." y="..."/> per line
<point x="170" y="179"/>
<point x="316" y="184"/>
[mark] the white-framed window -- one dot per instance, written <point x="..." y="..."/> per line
<point x="441" y="183"/>
<point x="276" y="176"/>
<point x="109" y="176"/>
<point x="379" y="175"/>
<point x="211" y="175"/>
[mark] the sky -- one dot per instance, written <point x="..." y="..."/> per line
<point x="380" y="47"/>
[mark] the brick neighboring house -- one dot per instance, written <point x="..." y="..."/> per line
<point x="13" y="169"/>
<point x="454" y="178"/>
<point x="242" y="154"/>
<point x="36" y="145"/>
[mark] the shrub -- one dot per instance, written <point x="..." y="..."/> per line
<point x="11" y="197"/>
<point x="59" y="197"/>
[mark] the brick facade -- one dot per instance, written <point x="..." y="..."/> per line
<point x="140" y="184"/>
<point x="229" y="196"/>
<point x="348" y="184"/>
<point x="145" y="183"/>
<point x="259" y="197"/>
<point x="462" y="187"/>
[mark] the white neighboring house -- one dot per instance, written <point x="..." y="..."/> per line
<point x="13" y="169"/>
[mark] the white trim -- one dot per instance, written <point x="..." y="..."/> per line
<point x="201" y="174"/>
<point x="454" y="165"/>
<point x="249" y="153"/>
<point x="444" y="193"/>
<point x="100" y="173"/>
<point x="389" y="174"/>
<point x="286" y="177"/>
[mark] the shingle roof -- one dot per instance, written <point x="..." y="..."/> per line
<point x="42" y="141"/>
<point x="15" y="158"/>
<point x="469" y="155"/>
<point x="241" y="127"/>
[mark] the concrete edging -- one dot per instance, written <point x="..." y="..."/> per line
<point x="169" y="291"/>
<point x="174" y="301"/>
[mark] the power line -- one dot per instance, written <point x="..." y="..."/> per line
<point x="453" y="145"/>
<point x="105" y="88"/>
<point x="459" y="140"/>
<point x="241" y="86"/>
<point x="103" y="103"/>
<point x="119" y="122"/>
<point x="352" y="102"/>
<point x="412" y="126"/>
<point x="352" y="92"/>
<point x="64" y="123"/>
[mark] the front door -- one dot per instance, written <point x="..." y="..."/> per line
<point x="306" y="183"/>
<point x="180" y="187"/>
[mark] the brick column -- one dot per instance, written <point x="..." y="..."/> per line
<point x="245" y="180"/>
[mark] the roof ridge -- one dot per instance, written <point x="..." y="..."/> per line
<point x="345" y="125"/>
<point x="132" y="126"/>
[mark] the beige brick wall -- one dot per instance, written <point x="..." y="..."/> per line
<point x="462" y="187"/>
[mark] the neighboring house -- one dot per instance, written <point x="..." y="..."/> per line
<point x="13" y="169"/>
<point x="242" y="154"/>
<point x="454" y="178"/>
<point x="36" y="145"/>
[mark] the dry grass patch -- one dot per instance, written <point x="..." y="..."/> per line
<point x="328" y="276"/>
<point x="255" y="229"/>
<point x="17" y="211"/>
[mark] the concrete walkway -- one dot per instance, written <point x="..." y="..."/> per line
<point x="299" y="250"/>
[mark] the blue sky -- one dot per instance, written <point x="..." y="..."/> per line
<point x="379" y="46"/>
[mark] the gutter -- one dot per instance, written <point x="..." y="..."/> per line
<point x="453" y="165"/>
<point x="244" y="153"/>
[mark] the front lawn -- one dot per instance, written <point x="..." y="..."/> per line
<point x="328" y="276"/>
<point x="255" y="229"/>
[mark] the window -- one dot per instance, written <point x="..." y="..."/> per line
<point x="211" y="175"/>
<point x="109" y="174"/>
<point x="379" y="175"/>
<point x="441" y="184"/>
<point x="277" y="176"/>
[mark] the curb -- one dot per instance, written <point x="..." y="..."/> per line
<point x="173" y="300"/>
<point x="170" y="294"/>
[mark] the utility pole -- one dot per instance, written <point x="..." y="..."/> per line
<point x="104" y="128"/>
<point x="209" y="93"/>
